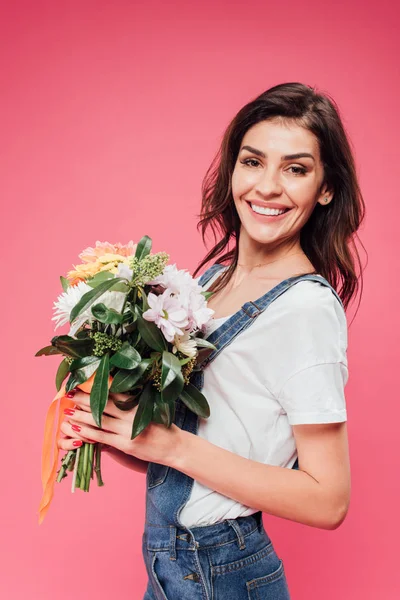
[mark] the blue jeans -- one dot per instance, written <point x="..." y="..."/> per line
<point x="230" y="560"/>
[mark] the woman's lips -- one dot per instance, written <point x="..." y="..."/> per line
<point x="267" y="218"/>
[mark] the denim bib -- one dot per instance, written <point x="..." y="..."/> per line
<point x="168" y="490"/>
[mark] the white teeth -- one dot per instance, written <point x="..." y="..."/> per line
<point x="267" y="211"/>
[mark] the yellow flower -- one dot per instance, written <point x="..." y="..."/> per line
<point x="104" y="257"/>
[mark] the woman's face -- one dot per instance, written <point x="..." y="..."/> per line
<point x="266" y="175"/>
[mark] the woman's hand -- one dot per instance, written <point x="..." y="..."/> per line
<point x="156" y="443"/>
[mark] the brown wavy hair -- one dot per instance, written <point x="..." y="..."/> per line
<point x="328" y="237"/>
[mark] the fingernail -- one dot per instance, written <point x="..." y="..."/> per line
<point x="77" y="443"/>
<point x="69" y="411"/>
<point x="70" y="394"/>
<point x="76" y="427"/>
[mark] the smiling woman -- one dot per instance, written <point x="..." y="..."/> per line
<point x="284" y="190"/>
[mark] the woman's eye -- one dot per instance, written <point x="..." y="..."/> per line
<point x="250" y="160"/>
<point x="300" y="170"/>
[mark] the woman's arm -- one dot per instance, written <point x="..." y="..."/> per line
<point x="317" y="496"/>
<point x="126" y="460"/>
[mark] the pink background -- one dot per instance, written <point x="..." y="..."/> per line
<point x="111" y="113"/>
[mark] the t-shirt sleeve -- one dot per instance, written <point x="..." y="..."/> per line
<point x="311" y="350"/>
<point x="316" y="394"/>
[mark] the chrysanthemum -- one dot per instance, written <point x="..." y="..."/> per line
<point x="93" y="254"/>
<point x="66" y="302"/>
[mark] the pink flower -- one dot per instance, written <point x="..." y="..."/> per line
<point x="167" y="313"/>
<point x="101" y="248"/>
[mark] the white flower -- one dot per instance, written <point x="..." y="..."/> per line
<point x="175" y="279"/>
<point x="185" y="344"/>
<point x="167" y="313"/>
<point x="196" y="307"/>
<point x="66" y="302"/>
<point x="124" y="271"/>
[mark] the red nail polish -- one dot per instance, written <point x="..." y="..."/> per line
<point x="69" y="411"/>
<point x="77" y="443"/>
<point x="70" y="394"/>
<point x="76" y="427"/>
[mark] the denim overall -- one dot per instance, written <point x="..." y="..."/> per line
<point x="233" y="559"/>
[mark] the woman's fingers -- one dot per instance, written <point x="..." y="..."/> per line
<point x="81" y="417"/>
<point x="66" y="442"/>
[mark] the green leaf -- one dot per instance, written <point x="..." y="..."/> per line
<point x="144" y="411"/>
<point x="143" y="248"/>
<point x="171" y="393"/>
<point x="80" y="363"/>
<point x="61" y="374"/>
<point x="202" y="343"/>
<point x="171" y="367"/>
<point x="83" y="373"/>
<point x="48" y="351"/>
<point x="106" y="315"/>
<point x="99" y="278"/>
<point x="76" y="348"/>
<point x="184" y="361"/>
<point x="195" y="400"/>
<point x="143" y="297"/>
<point x="89" y="298"/>
<point x="99" y="393"/>
<point x="163" y="410"/>
<point x="126" y="357"/>
<point x="207" y="295"/>
<point x="157" y="416"/>
<point x="150" y="333"/>
<point x="64" y="283"/>
<point x="121" y="287"/>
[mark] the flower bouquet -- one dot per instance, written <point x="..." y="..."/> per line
<point x="136" y="326"/>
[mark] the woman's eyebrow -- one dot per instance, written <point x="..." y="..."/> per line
<point x="286" y="157"/>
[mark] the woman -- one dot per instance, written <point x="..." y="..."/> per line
<point x="284" y="189"/>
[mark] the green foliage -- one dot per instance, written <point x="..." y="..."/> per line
<point x="62" y="372"/>
<point x="76" y="348"/>
<point x="99" y="392"/>
<point x="89" y="298"/>
<point x="150" y="333"/>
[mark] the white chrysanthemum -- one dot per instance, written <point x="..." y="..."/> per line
<point x="66" y="302"/>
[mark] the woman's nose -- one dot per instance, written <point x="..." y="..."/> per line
<point x="269" y="183"/>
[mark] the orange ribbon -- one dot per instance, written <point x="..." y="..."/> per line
<point x="49" y="462"/>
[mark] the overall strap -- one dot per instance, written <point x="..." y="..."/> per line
<point x="242" y="319"/>
<point x="208" y="273"/>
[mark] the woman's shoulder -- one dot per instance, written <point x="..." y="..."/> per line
<point x="311" y="296"/>
<point x="309" y="311"/>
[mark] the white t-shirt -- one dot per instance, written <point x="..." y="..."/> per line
<point x="288" y="367"/>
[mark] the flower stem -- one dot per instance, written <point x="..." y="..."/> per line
<point x="80" y="467"/>
<point x="65" y="462"/>
<point x="85" y="466"/>
<point x="74" y="476"/>
<point x="90" y="465"/>
<point x="97" y="468"/>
